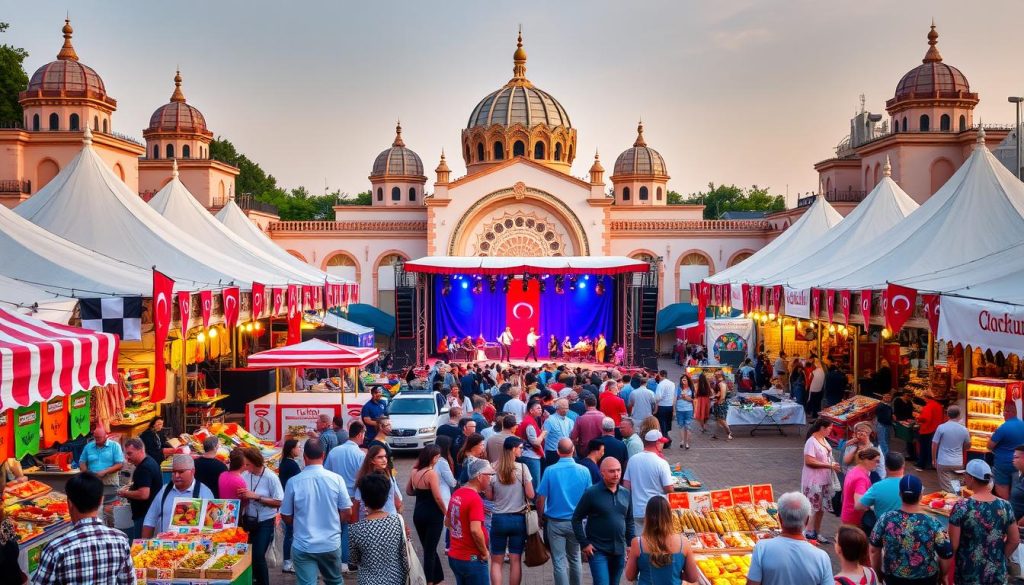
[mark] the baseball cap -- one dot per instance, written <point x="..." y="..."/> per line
<point x="978" y="469"/>
<point x="654" y="436"/>
<point x="910" y="485"/>
<point x="478" y="467"/>
<point x="512" y="443"/>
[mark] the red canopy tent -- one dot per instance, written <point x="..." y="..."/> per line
<point x="40" y="360"/>
<point x="691" y="333"/>
<point x="315" y="353"/>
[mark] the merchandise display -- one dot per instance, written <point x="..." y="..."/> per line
<point x="987" y="399"/>
<point x="137" y="407"/>
<point x="39" y="515"/>
<point x="231" y="435"/>
<point x="941" y="503"/>
<point x="848" y="413"/>
<point x="195" y="561"/>
<point x="723" y="569"/>
<point x="745" y="518"/>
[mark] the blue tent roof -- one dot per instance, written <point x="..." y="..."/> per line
<point x="675" y="315"/>
<point x="372" y="317"/>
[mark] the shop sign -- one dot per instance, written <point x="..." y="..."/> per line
<point x="982" y="324"/>
<point x="741" y="494"/>
<point x="307" y="416"/>
<point x="798" y="302"/>
<point x="80" y="409"/>
<point x="721" y="499"/>
<point x="55" y="422"/>
<point x="26" y="430"/>
<point x="262" y="421"/>
<point x="6" y="434"/>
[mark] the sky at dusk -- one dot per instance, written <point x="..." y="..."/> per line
<point x="738" y="91"/>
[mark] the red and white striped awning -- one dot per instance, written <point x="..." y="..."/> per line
<point x="315" y="353"/>
<point x="40" y="360"/>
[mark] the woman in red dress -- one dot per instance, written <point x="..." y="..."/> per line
<point x="702" y="402"/>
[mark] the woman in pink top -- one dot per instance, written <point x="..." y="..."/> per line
<point x="816" y="477"/>
<point x="858" y="480"/>
<point x="231" y="481"/>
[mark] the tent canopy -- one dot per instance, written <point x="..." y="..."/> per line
<point x="675" y="315"/>
<point x="29" y="300"/>
<point x="315" y="353"/>
<point x="372" y="317"/>
<point x="511" y="265"/>
<point x="691" y="333"/>
<point x="40" y="360"/>
<point x="799" y="241"/>
<point x="331" y="320"/>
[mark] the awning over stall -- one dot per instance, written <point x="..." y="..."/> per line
<point x="315" y="353"/>
<point x="370" y="316"/>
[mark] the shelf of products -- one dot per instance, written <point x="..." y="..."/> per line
<point x="987" y="399"/>
<point x="138" y="408"/>
<point x="39" y="515"/>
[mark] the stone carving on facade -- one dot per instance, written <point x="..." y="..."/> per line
<point x="520" y="233"/>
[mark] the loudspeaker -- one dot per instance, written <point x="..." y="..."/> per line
<point x="647" y="320"/>
<point x="405" y="312"/>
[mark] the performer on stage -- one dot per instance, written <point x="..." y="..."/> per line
<point x="468" y="348"/>
<point x="453" y="348"/>
<point x="553" y="347"/>
<point x="442" y="348"/>
<point x="481" y="344"/>
<point x="566" y="347"/>
<point x="531" y="344"/>
<point x="506" y="339"/>
<point x="602" y="345"/>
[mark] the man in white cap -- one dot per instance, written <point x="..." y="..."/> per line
<point x="647" y="475"/>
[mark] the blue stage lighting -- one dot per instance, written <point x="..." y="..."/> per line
<point x="465" y="285"/>
<point x="586" y="277"/>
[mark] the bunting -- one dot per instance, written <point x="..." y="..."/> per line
<point x="830" y="303"/>
<point x="844" y="304"/>
<point x="901" y="301"/>
<point x="206" y="304"/>
<point x="278" y="295"/>
<point x="258" y="300"/>
<point x="184" y="310"/>
<point x="230" y="300"/>
<point x="865" y="307"/>
<point x="163" y="291"/>
<point x="931" y="310"/>
<point x="294" y="315"/>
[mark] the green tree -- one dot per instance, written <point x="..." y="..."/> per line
<point x="13" y="80"/>
<point x="357" y="199"/>
<point x="675" y="198"/>
<point x="719" y="199"/>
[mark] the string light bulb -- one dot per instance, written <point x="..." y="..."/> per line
<point x="257" y="326"/>
<point x="213" y="332"/>
<point x="201" y="337"/>
<point x="886" y="334"/>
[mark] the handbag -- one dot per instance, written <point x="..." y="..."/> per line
<point x="530" y="513"/>
<point x="536" y="553"/>
<point x="415" y="576"/>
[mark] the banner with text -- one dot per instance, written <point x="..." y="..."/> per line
<point x="798" y="302"/>
<point x="982" y="324"/>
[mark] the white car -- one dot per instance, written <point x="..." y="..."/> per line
<point x="415" y="416"/>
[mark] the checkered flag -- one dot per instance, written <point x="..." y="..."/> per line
<point x="119" y="315"/>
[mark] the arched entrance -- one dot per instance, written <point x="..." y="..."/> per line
<point x="384" y="276"/>
<point x="693" y="266"/>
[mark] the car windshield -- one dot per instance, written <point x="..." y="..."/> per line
<point x="424" y="405"/>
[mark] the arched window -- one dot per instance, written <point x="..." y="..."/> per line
<point x="925" y="123"/>
<point x="904" y="123"/>
<point x="54" y="122"/>
<point x="412" y="194"/>
<point x="963" y="123"/>
<point x="186" y="152"/>
<point x="380" y="194"/>
<point x="895" y="125"/>
<point x="73" y="122"/>
<point x="625" y="193"/>
<point x="467" y="153"/>
<point x="945" y="124"/>
<point x="643" y="194"/>
<point x="692" y="267"/>
<point x="739" y="257"/>
<point x="386" y="282"/>
<point x="396" y="194"/>
<point x="344" y="266"/>
<point x="499" y="151"/>
<point x="518" y="149"/>
<point x="480" y="151"/>
<point x="659" y="193"/>
<point x="104" y="126"/>
<point x="156" y="151"/>
<point x="538" y="150"/>
<point x="35" y="122"/>
<point x="558" y="151"/>
<point x="95" y="123"/>
<point x="170" y="151"/>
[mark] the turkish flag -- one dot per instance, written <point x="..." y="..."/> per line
<point x="522" y="311"/>
<point x="746" y="298"/>
<point x="294" y="315"/>
<point x="329" y="294"/>
<point x="844" y="303"/>
<point x="184" y="310"/>
<point x="830" y="303"/>
<point x="704" y="290"/>
<point x="815" y="303"/>
<point x="163" y="291"/>
<point x="757" y="298"/>
<point x="885" y="308"/>
<point x="901" y="305"/>
<point x="344" y="294"/>
<point x="307" y="297"/>
<point x="931" y="310"/>
<point x="354" y="295"/>
<point x="777" y="293"/>
<point x="770" y="301"/>
<point x="278" y="294"/>
<point x="230" y="299"/>
<point x="865" y="307"/>
<point x="258" y="300"/>
<point x="206" y="304"/>
<point x="318" y="298"/>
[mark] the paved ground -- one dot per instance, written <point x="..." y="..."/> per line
<point x="767" y="458"/>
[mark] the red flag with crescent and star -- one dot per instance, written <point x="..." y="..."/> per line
<point x="746" y="298"/>
<point x="258" y="300"/>
<point x="229" y="296"/>
<point x="884" y="296"/>
<point x="328" y="294"/>
<point x="184" y="310"/>
<point x="778" y="296"/>
<point x="901" y="305"/>
<point x="830" y="303"/>
<point x="294" y="315"/>
<point x="163" y="291"/>
<point x="815" y="303"/>
<point x="206" y="304"/>
<point x="865" y="307"/>
<point x="307" y="297"/>
<point x="757" y="298"/>
<point x="522" y="311"/>
<point x="278" y="299"/>
<point x="931" y="310"/>
<point x="844" y="304"/>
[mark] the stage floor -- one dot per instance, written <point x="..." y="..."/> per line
<point x="591" y="365"/>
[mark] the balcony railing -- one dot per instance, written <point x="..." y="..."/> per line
<point x="391" y="226"/>
<point x="690" y="225"/>
<point x="23" y="186"/>
<point x="247" y="203"/>
<point x="848" y="196"/>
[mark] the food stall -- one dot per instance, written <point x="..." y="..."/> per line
<point x="752" y="408"/>
<point x="39" y="515"/>
<point x="848" y="413"/>
<point x="988" y="405"/>
<point x="231" y="436"/>
<point x="281" y="414"/>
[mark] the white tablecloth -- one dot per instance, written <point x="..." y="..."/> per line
<point x="785" y="413"/>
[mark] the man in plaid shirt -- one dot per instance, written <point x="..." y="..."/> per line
<point x="90" y="552"/>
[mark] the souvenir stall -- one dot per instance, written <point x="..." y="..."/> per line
<point x="287" y="411"/>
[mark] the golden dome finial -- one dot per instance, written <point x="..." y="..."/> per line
<point x="887" y="169"/>
<point x="398" y="134"/>
<point x="519" y="58"/>
<point x="177" y="96"/>
<point x="640" y="135"/>
<point x="442" y="167"/>
<point x="67" y="52"/>
<point x="933" y="55"/>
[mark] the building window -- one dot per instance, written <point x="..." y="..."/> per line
<point x="538" y="151"/>
<point x="925" y="123"/>
<point x="558" y="151"/>
<point x="186" y="152"/>
<point x="95" y="124"/>
<point x="104" y="126"/>
<point x="643" y="194"/>
<point x="412" y="194"/>
<point x="54" y="122"/>
<point x="156" y="151"/>
<point x="895" y="125"/>
<point x="625" y="193"/>
<point x="904" y="123"/>
<point x="499" y="151"/>
<point x="380" y="194"/>
<point x="963" y="123"/>
<point x="659" y="193"/>
<point x="396" y="194"/>
<point x="170" y="151"/>
<point x="518" y="149"/>
<point x="73" y="122"/>
<point x="35" y="122"/>
<point x="480" y="152"/>
<point x="945" y="123"/>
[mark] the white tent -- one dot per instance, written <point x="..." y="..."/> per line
<point x="885" y="206"/>
<point x="978" y="212"/>
<point x="177" y="205"/>
<point x="802" y="239"/>
<point x="31" y="300"/>
<point x="89" y="205"/>
<point x="998" y="277"/>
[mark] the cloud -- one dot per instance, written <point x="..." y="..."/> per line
<point x="735" y="40"/>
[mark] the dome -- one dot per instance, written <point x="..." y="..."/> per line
<point x="176" y="115"/>
<point x="66" y="75"/>
<point x="640" y="159"/>
<point x="398" y="160"/>
<point x="932" y="77"/>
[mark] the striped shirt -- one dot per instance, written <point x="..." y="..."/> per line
<point x="89" y="553"/>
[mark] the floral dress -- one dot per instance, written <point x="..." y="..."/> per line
<point x="911" y="544"/>
<point x="983" y="525"/>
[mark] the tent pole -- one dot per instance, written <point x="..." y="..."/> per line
<point x="184" y="382"/>
<point x="854" y="356"/>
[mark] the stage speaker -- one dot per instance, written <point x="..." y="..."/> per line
<point x="646" y="357"/>
<point x="405" y="312"/>
<point x="648" y="317"/>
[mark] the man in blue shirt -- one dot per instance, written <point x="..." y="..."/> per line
<point x="607" y="508"/>
<point x="469" y="385"/>
<point x="345" y="460"/>
<point x="104" y="458"/>
<point x="316" y="504"/>
<point x="371" y="411"/>
<point x="558" y="427"/>
<point x="1007" y="437"/>
<point x="561" y="487"/>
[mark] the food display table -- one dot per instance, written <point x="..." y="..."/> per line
<point x="39" y="515"/>
<point x="278" y="415"/>
<point x="764" y="414"/>
<point x="848" y="413"/>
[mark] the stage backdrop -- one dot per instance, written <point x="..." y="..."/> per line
<point x="574" y="313"/>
